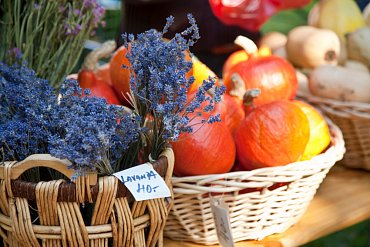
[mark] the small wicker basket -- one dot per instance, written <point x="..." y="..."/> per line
<point x="353" y="118"/>
<point x="261" y="202"/>
<point x="52" y="213"/>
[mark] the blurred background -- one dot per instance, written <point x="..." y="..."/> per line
<point x="283" y="21"/>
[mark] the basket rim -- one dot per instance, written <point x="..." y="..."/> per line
<point x="355" y="108"/>
<point x="67" y="190"/>
<point x="332" y="154"/>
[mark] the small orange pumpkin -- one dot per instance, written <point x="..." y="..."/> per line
<point x="273" y="75"/>
<point x="208" y="150"/>
<point x="94" y="77"/>
<point x="231" y="111"/>
<point x="273" y="134"/>
<point x="120" y="76"/>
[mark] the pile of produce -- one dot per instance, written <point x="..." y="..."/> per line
<point x="262" y="122"/>
<point x="263" y="125"/>
<point x="331" y="53"/>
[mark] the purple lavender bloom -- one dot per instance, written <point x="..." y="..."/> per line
<point x="36" y="6"/>
<point x="160" y="81"/>
<point x="77" y="12"/>
<point x="26" y="103"/>
<point x="85" y="130"/>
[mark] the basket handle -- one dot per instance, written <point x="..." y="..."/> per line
<point x="42" y="160"/>
<point x="168" y="153"/>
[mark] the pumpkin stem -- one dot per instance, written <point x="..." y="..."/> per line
<point x="103" y="51"/>
<point x="250" y="95"/>
<point x="238" y="86"/>
<point x="247" y="44"/>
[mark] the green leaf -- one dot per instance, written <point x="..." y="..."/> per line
<point x="284" y="21"/>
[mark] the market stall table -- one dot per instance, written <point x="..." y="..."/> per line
<point x="342" y="200"/>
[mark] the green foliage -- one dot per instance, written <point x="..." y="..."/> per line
<point x="284" y="21"/>
<point x="354" y="236"/>
<point x="49" y="34"/>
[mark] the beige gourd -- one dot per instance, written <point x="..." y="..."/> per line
<point x="273" y="40"/>
<point x="340" y="83"/>
<point x="356" y="65"/>
<point x="310" y="47"/>
<point x="302" y="82"/>
<point x="358" y="45"/>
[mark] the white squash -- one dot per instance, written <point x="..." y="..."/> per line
<point x="340" y="83"/>
<point x="356" y="65"/>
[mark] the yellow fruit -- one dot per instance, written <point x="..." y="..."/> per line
<point x="340" y="16"/>
<point x="319" y="131"/>
<point x="201" y="72"/>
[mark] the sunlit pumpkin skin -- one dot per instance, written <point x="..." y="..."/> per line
<point x="241" y="56"/>
<point x="208" y="150"/>
<point x="273" y="75"/>
<point x="319" y="131"/>
<point x="273" y="134"/>
<point x="231" y="111"/>
<point x="120" y="76"/>
<point x="98" y="87"/>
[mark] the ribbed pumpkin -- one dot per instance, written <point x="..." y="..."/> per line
<point x="208" y="150"/>
<point x="273" y="134"/>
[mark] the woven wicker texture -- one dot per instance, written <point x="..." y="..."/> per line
<point x="116" y="219"/>
<point x="261" y="202"/>
<point x="353" y="118"/>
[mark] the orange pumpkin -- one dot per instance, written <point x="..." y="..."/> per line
<point x="273" y="75"/>
<point x="97" y="78"/>
<point x="241" y="56"/>
<point x="103" y="72"/>
<point x="98" y="86"/>
<point x="208" y="150"/>
<point x="273" y="134"/>
<point x="234" y="58"/>
<point x="231" y="111"/>
<point x="120" y="76"/>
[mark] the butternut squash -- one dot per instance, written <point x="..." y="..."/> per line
<point x="340" y="83"/>
<point x="310" y="47"/>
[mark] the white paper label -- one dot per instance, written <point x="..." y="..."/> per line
<point x="143" y="182"/>
<point x="220" y="211"/>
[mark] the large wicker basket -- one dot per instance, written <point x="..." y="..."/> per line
<point x="353" y="118"/>
<point x="52" y="213"/>
<point x="261" y="202"/>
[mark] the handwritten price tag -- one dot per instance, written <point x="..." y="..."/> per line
<point x="143" y="182"/>
<point x="220" y="211"/>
